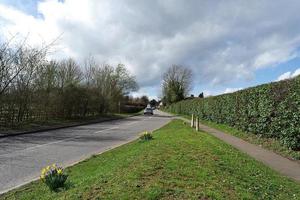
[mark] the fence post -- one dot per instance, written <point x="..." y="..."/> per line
<point x="197" y="123"/>
<point x="192" y="121"/>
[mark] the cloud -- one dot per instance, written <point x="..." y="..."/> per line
<point x="225" y="45"/>
<point x="151" y="92"/>
<point x="288" y="75"/>
<point x="208" y="93"/>
<point x="231" y="90"/>
<point x="284" y="76"/>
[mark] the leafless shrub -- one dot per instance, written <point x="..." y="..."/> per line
<point x="35" y="89"/>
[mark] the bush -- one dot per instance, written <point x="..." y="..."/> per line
<point x="131" y="109"/>
<point x="271" y="110"/>
<point x="146" y="136"/>
<point x="53" y="177"/>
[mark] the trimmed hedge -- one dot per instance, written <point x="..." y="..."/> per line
<point x="271" y="110"/>
<point x="131" y="109"/>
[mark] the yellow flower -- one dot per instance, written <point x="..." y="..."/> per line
<point x="59" y="171"/>
<point x="54" y="166"/>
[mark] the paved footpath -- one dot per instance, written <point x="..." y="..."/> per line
<point x="280" y="164"/>
<point x="23" y="156"/>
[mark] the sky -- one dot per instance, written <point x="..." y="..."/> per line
<point x="228" y="44"/>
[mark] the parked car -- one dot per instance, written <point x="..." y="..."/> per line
<point x="148" y="111"/>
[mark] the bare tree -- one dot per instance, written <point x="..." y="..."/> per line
<point x="177" y="82"/>
<point x="14" y="59"/>
<point x="35" y="89"/>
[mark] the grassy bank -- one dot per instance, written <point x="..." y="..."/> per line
<point x="178" y="164"/>
<point x="267" y="143"/>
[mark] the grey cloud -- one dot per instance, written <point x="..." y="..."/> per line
<point x="219" y="40"/>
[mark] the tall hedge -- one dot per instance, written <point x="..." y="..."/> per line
<point x="272" y="110"/>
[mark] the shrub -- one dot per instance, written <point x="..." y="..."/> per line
<point x="146" y="136"/>
<point x="271" y="110"/>
<point x="53" y="177"/>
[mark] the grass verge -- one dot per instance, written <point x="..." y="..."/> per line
<point x="267" y="143"/>
<point x="178" y="163"/>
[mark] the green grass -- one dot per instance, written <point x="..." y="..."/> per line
<point x="178" y="163"/>
<point x="267" y="143"/>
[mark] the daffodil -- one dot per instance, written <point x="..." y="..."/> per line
<point x="59" y="171"/>
<point x="50" y="173"/>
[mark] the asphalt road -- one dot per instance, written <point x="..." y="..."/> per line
<point x="22" y="157"/>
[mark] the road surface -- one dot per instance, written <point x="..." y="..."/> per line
<point x="22" y="157"/>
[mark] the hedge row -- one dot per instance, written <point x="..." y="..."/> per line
<point x="271" y="110"/>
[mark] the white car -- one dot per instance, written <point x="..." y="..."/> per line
<point x="148" y="111"/>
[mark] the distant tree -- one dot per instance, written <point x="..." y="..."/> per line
<point x="164" y="101"/>
<point x="124" y="80"/>
<point x="145" y="100"/>
<point x="127" y="99"/>
<point x="192" y="96"/>
<point x="176" y="83"/>
<point x="153" y="103"/>
<point x="201" y="95"/>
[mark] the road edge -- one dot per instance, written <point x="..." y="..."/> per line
<point x="65" y="126"/>
<point x="66" y="165"/>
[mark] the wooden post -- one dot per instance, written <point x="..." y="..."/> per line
<point x="192" y="121"/>
<point x="197" y="123"/>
